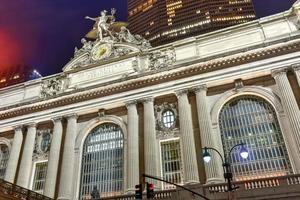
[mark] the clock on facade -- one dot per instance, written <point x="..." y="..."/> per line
<point x="101" y="51"/>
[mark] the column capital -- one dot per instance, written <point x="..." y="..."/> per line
<point x="31" y="125"/>
<point x="181" y="92"/>
<point x="200" y="88"/>
<point x="131" y="103"/>
<point x="277" y="72"/>
<point x="56" y="119"/>
<point x="71" y="116"/>
<point x="296" y="67"/>
<point x="147" y="99"/>
<point x="18" y="128"/>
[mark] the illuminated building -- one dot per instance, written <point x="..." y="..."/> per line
<point x="121" y="109"/>
<point x="165" y="21"/>
<point x="17" y="74"/>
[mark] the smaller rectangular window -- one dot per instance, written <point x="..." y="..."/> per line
<point x="171" y="162"/>
<point x="39" y="177"/>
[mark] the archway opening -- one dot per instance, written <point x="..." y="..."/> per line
<point x="253" y="120"/>
<point x="103" y="161"/>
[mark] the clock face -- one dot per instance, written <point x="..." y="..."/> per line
<point x="101" y="51"/>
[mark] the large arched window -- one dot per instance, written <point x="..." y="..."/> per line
<point x="102" y="161"/>
<point x="253" y="120"/>
<point x="4" y="156"/>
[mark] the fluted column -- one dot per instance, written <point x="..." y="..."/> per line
<point x="213" y="169"/>
<point x="190" y="166"/>
<point x="26" y="160"/>
<point x="150" y="144"/>
<point x="133" y="146"/>
<point x="14" y="155"/>
<point x="53" y="161"/>
<point x="296" y="69"/>
<point x="289" y="105"/>
<point x="67" y="167"/>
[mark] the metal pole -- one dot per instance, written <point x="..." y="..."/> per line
<point x="180" y="186"/>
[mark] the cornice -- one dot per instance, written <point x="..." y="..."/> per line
<point x="149" y="80"/>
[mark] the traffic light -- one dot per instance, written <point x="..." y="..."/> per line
<point x="139" y="191"/>
<point x="150" y="191"/>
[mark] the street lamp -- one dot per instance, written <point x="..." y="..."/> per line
<point x="226" y="161"/>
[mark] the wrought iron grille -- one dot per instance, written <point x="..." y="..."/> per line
<point x="253" y="120"/>
<point x="4" y="156"/>
<point x="171" y="162"/>
<point x="39" y="177"/>
<point x="102" y="161"/>
<point x="168" y="118"/>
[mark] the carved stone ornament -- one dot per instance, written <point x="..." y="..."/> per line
<point x="108" y="39"/>
<point x="238" y="84"/>
<point x="162" y="130"/>
<point x="295" y="10"/>
<point x="161" y="59"/>
<point x="42" y="144"/>
<point x="51" y="87"/>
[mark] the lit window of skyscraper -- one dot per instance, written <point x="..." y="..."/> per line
<point x="169" y="20"/>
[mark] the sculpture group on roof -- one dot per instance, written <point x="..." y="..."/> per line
<point x="106" y="28"/>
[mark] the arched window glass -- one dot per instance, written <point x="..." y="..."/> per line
<point x="168" y="118"/>
<point x="102" y="161"/>
<point x="4" y="156"/>
<point x="253" y="120"/>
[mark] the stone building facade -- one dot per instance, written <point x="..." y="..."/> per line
<point x="121" y="108"/>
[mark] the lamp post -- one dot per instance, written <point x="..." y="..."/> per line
<point x="226" y="161"/>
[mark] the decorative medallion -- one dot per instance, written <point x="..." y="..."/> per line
<point x="42" y="144"/>
<point x="166" y="120"/>
<point x="51" y="87"/>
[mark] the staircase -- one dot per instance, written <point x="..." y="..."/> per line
<point x="9" y="191"/>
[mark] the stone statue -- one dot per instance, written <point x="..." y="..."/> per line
<point x="125" y="36"/>
<point x="103" y="22"/>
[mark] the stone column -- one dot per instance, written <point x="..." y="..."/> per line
<point x="189" y="159"/>
<point x="53" y="160"/>
<point x="289" y="104"/>
<point x="67" y="167"/>
<point x="213" y="169"/>
<point x="132" y="146"/>
<point x="150" y="143"/>
<point x="26" y="160"/>
<point x="14" y="155"/>
<point x="296" y="69"/>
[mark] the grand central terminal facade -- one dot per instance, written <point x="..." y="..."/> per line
<point x="122" y="108"/>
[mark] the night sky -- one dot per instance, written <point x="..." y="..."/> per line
<point x="43" y="33"/>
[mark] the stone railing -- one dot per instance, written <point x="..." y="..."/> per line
<point x="283" y="187"/>
<point x="11" y="191"/>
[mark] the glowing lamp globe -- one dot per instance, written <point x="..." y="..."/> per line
<point x="206" y="156"/>
<point x="244" y="152"/>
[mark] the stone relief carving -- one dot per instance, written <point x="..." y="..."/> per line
<point x="42" y="144"/>
<point x="162" y="131"/>
<point x="161" y="59"/>
<point x="296" y="11"/>
<point x="51" y="87"/>
<point x="86" y="47"/>
<point x="108" y="39"/>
